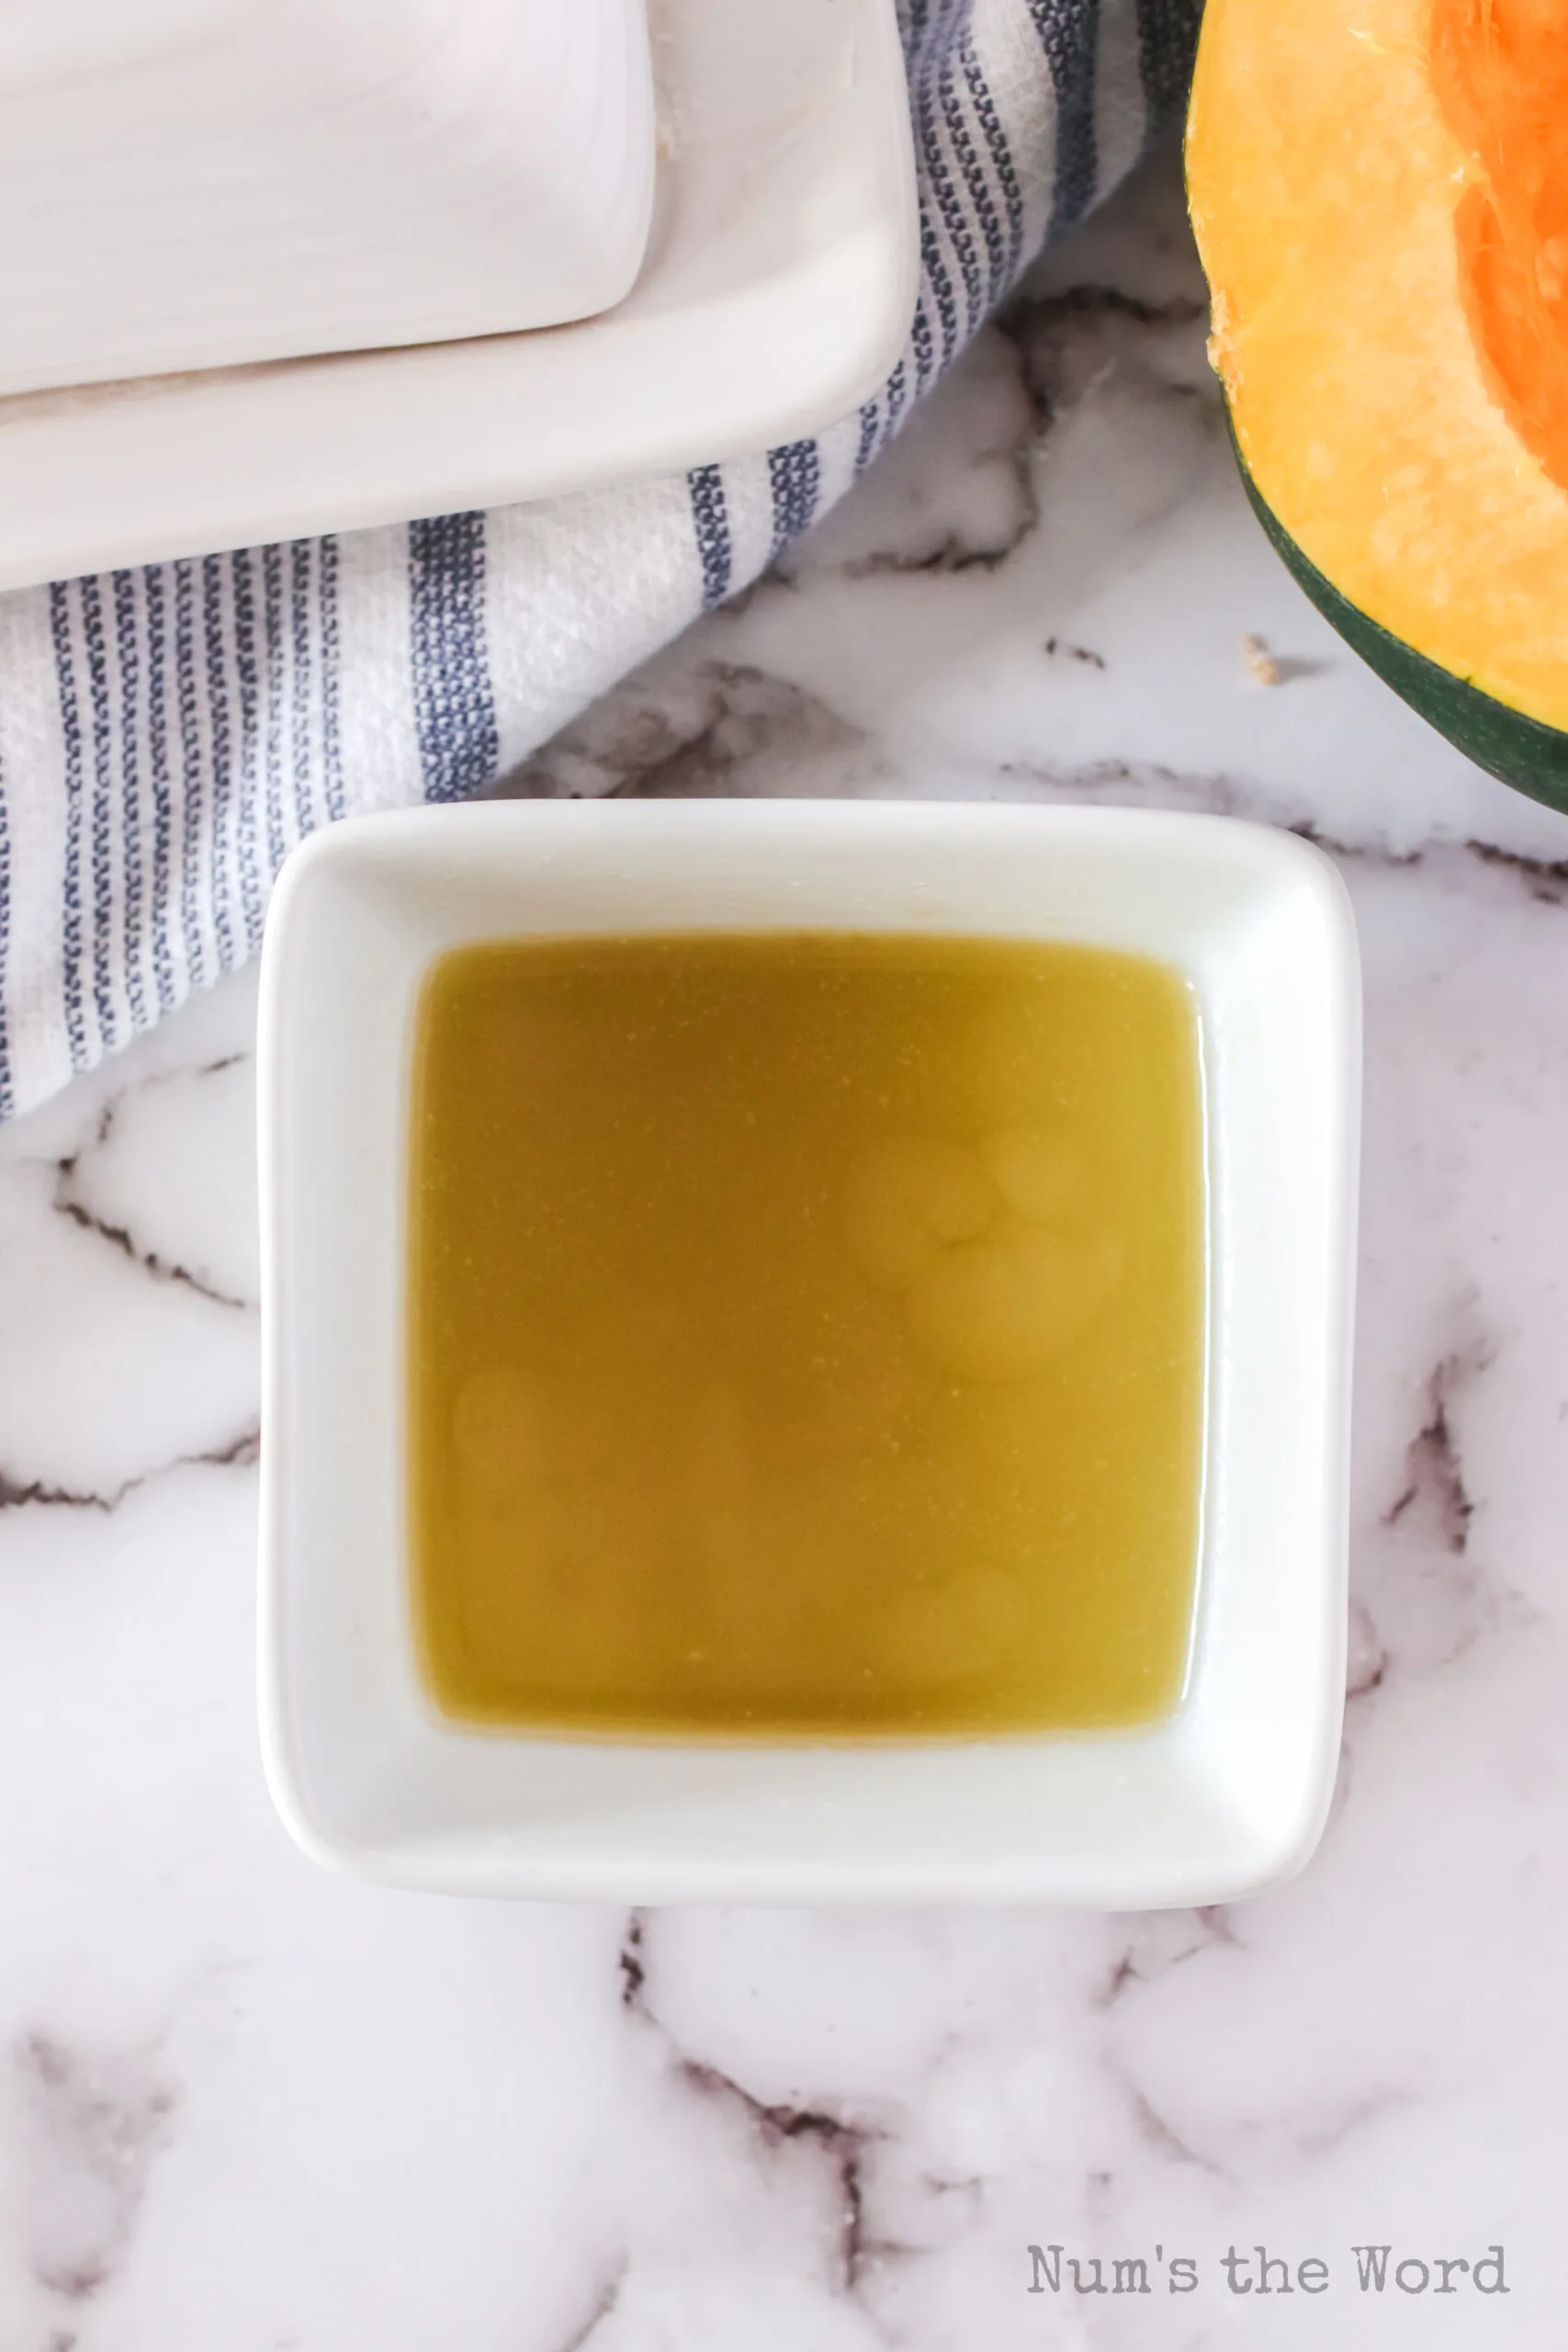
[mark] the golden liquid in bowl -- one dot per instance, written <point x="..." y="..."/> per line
<point x="806" y="1335"/>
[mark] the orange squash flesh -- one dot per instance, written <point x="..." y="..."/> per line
<point x="1379" y="191"/>
<point x="1500" y="75"/>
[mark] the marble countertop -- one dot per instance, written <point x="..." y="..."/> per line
<point x="245" y="2107"/>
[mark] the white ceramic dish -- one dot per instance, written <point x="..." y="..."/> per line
<point x="1225" y="1797"/>
<point x="776" y="291"/>
<point x="196" y="183"/>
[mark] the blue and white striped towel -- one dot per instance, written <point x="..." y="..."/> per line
<point x="167" y="734"/>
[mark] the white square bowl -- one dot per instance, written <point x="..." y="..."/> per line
<point x="1225" y="1797"/>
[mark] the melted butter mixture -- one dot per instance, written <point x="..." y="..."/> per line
<point x="806" y="1335"/>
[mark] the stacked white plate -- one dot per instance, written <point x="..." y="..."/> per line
<point x="280" y="267"/>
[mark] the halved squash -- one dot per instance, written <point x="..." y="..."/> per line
<point x="1380" y="193"/>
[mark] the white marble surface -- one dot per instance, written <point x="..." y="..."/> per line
<point x="247" y="2107"/>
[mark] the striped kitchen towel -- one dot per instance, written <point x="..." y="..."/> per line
<point x="167" y="734"/>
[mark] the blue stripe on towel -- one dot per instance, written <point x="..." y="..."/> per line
<point x="710" y="528"/>
<point x="70" y="745"/>
<point x="252" y="785"/>
<point x="895" y="399"/>
<point x="794" y="477"/>
<point x="1068" y="34"/>
<point x="299" y="682"/>
<point x="133" y="890"/>
<point x="1000" y="151"/>
<point x="103" y="805"/>
<point x="931" y="90"/>
<point x="1168" y="35"/>
<point x="155" y="597"/>
<point x="921" y="344"/>
<point x="331" y="742"/>
<point x="192" y="796"/>
<point x="272" y="737"/>
<point x="222" y="768"/>
<point x="935" y="182"/>
<point x="980" y="187"/>
<point x="454" y="704"/>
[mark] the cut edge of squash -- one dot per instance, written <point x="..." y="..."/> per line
<point x="1517" y="750"/>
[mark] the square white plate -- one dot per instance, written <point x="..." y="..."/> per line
<point x="777" y="292"/>
<point x="1227" y="1795"/>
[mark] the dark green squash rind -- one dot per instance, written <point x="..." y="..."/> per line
<point x="1519" y="751"/>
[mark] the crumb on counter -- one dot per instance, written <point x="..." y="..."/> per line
<point x="1261" y="665"/>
